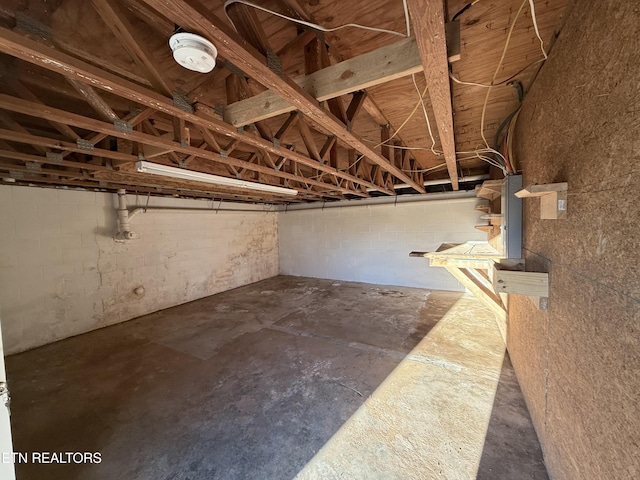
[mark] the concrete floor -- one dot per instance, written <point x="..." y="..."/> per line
<point x="283" y="378"/>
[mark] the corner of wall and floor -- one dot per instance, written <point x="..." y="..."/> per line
<point x="63" y="274"/>
<point x="371" y="243"/>
<point x="578" y="363"/>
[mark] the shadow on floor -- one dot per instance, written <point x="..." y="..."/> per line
<point x="511" y="449"/>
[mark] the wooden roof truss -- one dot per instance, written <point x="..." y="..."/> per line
<point x="297" y="133"/>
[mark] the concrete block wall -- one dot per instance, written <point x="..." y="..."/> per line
<point x="62" y="273"/>
<point x="372" y="243"/>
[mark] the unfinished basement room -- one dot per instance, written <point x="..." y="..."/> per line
<point x="319" y="239"/>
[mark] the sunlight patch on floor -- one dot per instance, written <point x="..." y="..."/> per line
<point x="429" y="418"/>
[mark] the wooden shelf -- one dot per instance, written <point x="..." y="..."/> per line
<point x="490" y="189"/>
<point x="494" y="218"/>
<point x="467" y="255"/>
<point x="486" y="208"/>
<point x="541" y="190"/>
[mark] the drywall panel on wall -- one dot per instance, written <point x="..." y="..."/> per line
<point x="63" y="274"/>
<point x="372" y="243"/>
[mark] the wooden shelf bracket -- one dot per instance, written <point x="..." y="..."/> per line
<point x="553" y="199"/>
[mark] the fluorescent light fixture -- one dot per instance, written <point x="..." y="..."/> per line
<point x="164" y="170"/>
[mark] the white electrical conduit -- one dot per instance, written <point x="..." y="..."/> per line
<point x="314" y="25"/>
<point x="386" y="200"/>
<point x="125" y="215"/>
<point x="444" y="181"/>
<point x="198" y="210"/>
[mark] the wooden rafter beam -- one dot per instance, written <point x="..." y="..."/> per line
<point x="336" y="107"/>
<point x="23" y="157"/>
<point x="160" y="24"/>
<point x="122" y="28"/>
<point x="355" y="105"/>
<point x="150" y="152"/>
<point x="290" y="122"/>
<point x="48" y="113"/>
<point x="16" y="127"/>
<point x="297" y="42"/>
<point x="385" y="135"/>
<point x="28" y="139"/>
<point x="140" y="180"/>
<point x="210" y="139"/>
<point x="380" y="66"/>
<point x="248" y="26"/>
<point x="328" y="146"/>
<point x="427" y="18"/>
<point x="22" y="91"/>
<point x="31" y="51"/>
<point x="197" y="18"/>
<point x="132" y="180"/>
<point x="309" y="141"/>
<point x="133" y="118"/>
<point x="96" y="101"/>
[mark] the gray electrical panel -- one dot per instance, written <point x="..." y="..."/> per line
<point x="512" y="217"/>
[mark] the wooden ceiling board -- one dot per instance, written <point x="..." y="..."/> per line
<point x="78" y="30"/>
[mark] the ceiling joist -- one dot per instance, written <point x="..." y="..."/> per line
<point x="380" y="66"/>
<point x="51" y="59"/>
<point x="427" y="19"/>
<point x="48" y="113"/>
<point x="122" y="28"/>
<point x="197" y="18"/>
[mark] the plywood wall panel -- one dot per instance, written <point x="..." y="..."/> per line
<point x="578" y="362"/>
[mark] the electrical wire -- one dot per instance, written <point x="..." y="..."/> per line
<point x="425" y="170"/>
<point x="482" y="157"/>
<point x="495" y="74"/>
<point x="476" y="153"/>
<point x="426" y="117"/>
<point x="464" y="9"/>
<point x="406" y="120"/>
<point x="309" y="24"/>
<point x="406" y="17"/>
<point x="535" y="27"/>
<point x="497" y="84"/>
<point x="510" y="132"/>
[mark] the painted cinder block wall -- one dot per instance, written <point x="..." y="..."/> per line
<point x="578" y="363"/>
<point x="62" y="273"/>
<point x="371" y="243"/>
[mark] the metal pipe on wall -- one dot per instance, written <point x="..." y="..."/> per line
<point x="429" y="197"/>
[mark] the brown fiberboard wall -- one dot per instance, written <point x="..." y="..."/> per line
<point x="579" y="361"/>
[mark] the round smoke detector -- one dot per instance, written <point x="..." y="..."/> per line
<point x="193" y="52"/>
